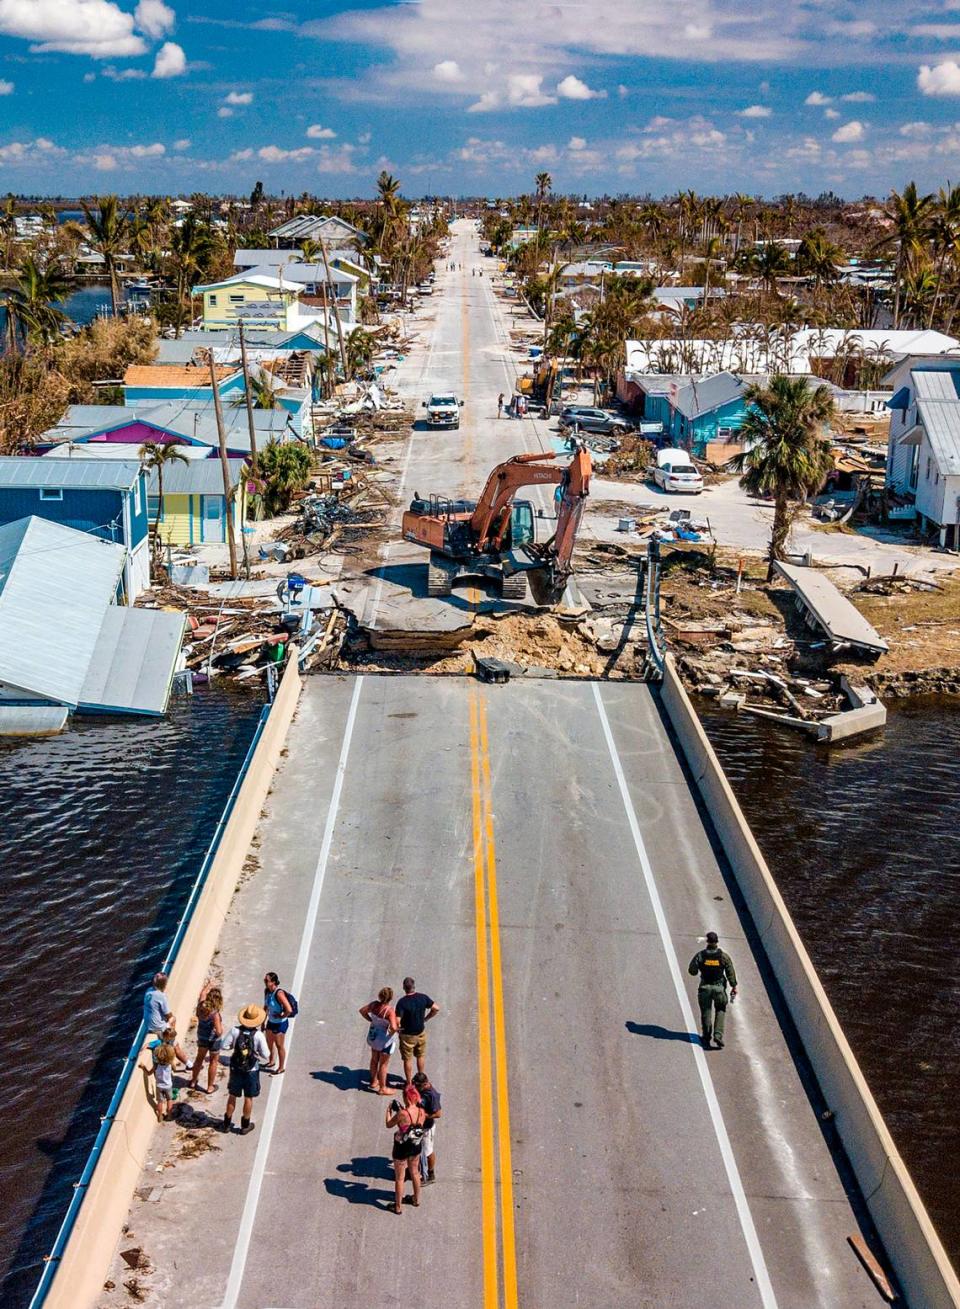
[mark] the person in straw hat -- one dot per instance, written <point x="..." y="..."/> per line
<point x="246" y="1045"/>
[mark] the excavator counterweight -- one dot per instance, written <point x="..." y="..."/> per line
<point x="495" y="536"/>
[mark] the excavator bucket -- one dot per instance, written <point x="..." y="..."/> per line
<point x="546" y="586"/>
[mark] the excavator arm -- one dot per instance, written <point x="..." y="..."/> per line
<point x="488" y="525"/>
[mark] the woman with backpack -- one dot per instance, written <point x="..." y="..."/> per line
<point x="381" y="1037"/>
<point x="281" y="1007"/>
<point x="410" y="1121"/>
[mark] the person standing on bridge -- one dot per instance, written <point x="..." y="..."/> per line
<point x="279" y="1011"/>
<point x="500" y="405"/>
<point x="381" y="1037"/>
<point x="414" y="1011"/>
<point x="246" y="1045"/>
<point x="410" y="1120"/>
<point x="716" y="969"/>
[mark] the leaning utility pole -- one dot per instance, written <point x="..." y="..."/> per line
<point x="336" y="311"/>
<point x="224" y="465"/>
<point x="246" y="392"/>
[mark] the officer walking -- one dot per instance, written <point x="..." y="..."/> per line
<point x="716" y="969"/>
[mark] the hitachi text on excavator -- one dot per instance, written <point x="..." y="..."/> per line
<point x="496" y="536"/>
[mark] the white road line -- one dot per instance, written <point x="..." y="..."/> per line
<point x="764" y="1285"/>
<point x="249" y="1217"/>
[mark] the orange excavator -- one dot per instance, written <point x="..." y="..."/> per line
<point x="496" y="536"/>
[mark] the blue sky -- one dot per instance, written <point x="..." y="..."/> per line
<point x="476" y="96"/>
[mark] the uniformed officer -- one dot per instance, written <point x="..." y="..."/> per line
<point x="716" y="969"/>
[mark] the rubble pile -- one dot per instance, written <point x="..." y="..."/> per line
<point x="631" y="460"/>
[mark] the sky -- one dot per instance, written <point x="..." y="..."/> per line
<point x="467" y="97"/>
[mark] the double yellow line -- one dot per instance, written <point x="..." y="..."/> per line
<point x="495" y="1155"/>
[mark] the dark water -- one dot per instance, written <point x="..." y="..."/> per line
<point x="864" y="842"/>
<point x="103" y="830"/>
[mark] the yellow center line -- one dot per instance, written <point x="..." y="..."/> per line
<point x="508" y="1234"/>
<point x="487" y="1167"/>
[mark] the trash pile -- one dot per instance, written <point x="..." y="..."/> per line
<point x="630" y="459"/>
<point x="339" y="516"/>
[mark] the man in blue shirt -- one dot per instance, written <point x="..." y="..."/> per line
<point x="157" y="1015"/>
<point x="430" y="1100"/>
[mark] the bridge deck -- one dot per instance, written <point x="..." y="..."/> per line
<point x="842" y="621"/>
<point x="532" y="854"/>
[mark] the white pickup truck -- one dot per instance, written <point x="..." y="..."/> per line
<point x="443" y="410"/>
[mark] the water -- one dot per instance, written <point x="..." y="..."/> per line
<point x="103" y="832"/>
<point x="865" y="846"/>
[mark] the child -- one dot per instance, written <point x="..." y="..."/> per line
<point x="163" y="1058"/>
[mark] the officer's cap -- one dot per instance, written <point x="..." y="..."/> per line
<point x="712" y="938"/>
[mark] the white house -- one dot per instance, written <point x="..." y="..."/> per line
<point x="923" y="450"/>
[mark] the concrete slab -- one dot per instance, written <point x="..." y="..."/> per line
<point x="833" y="612"/>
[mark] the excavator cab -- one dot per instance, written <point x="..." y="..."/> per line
<point x="522" y="527"/>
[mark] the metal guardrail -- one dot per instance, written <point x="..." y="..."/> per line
<point x="52" y="1260"/>
<point x="656" y="641"/>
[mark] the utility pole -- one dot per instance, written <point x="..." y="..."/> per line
<point x="328" y="361"/>
<point x="246" y="391"/>
<point x="224" y="466"/>
<point x="336" y="311"/>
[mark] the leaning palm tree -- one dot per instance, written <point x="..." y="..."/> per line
<point x="155" y="455"/>
<point x="107" y="229"/>
<point x="785" y="452"/>
<point x="31" y="304"/>
<point x="911" y="214"/>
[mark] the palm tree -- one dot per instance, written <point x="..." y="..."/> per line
<point x="543" y="183"/>
<point x="285" y="468"/>
<point x="712" y="251"/>
<point x="772" y="262"/>
<point x="910" y="214"/>
<point x="155" y="456"/>
<point x="360" y="349"/>
<point x="8" y="228"/>
<point x="388" y="193"/>
<point x="818" y="256"/>
<point x="107" y="227"/>
<point x="30" y="303"/>
<point x="785" y="453"/>
<point x="944" y="234"/>
<point x="191" y="244"/>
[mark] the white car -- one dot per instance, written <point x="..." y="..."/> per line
<point x="674" y="472"/>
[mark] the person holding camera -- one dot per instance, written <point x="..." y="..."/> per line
<point x="409" y="1120"/>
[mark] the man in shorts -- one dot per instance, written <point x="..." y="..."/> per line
<point x="414" y="1011"/>
<point x="430" y="1100"/>
<point x="246" y="1045"/>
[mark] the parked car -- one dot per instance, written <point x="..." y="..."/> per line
<point x="588" y="419"/>
<point x="674" y="472"/>
<point x="425" y="288"/>
<point x="443" y="410"/>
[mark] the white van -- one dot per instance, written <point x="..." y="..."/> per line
<point x="675" y="472"/>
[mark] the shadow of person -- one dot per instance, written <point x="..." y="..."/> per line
<point x="342" y="1077"/>
<point x="662" y="1033"/>
<point x="370" y="1165"/>
<point x="359" y="1193"/>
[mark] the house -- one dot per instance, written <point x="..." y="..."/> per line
<point x="66" y="643"/>
<point x="164" y="383"/>
<point x="106" y="498"/>
<point x="193" y="426"/>
<point x="317" y="289"/>
<point x="189" y="347"/>
<point x="327" y="229"/>
<point x="194" y="509"/>
<point x="264" y="299"/>
<point x="923" y="450"/>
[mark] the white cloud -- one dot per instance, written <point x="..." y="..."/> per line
<point x="524" y="90"/>
<point x="224" y="112"/>
<point x="238" y="98"/>
<point x="170" y="61"/>
<point x="941" y="79"/>
<point x="623" y="91"/>
<point x="89" y="77"/>
<point x="852" y="131"/>
<point x="447" y="70"/>
<point x="488" y="101"/>
<point x="274" y="154"/>
<point x="108" y="158"/>
<point x="6" y="88"/>
<point x="577" y="143"/>
<point x="123" y="74"/>
<point x="183" y="144"/>
<point x="755" y="111"/>
<point x="832" y="113"/>
<point x="818" y="98"/>
<point x="240" y="156"/>
<point x="859" y="97"/>
<point x="915" y="129"/>
<point x="365" y="138"/>
<point x="29" y="152"/>
<point x="317" y="133"/>
<point x="154" y="18"/>
<point x="104" y="163"/>
<point x="77" y="27"/>
<point x="571" y="88"/>
<point x="336" y="159"/>
<point x="698" y="31"/>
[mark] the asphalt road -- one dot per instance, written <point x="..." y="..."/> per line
<point x="533" y="856"/>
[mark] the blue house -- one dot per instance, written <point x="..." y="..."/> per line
<point x="106" y="498"/>
<point x="179" y="382"/>
<point x="707" y="409"/>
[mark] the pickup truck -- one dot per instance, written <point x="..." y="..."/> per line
<point x="443" y="410"/>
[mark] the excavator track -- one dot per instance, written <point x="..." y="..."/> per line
<point x="514" y="587"/>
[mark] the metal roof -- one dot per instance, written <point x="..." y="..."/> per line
<point x="938" y="406"/>
<point x="307" y="274"/>
<point x="132" y="667"/>
<point x="713" y="392"/>
<point x="198" y="477"/>
<point x="251" y="258"/>
<point x="96" y="417"/>
<point x="102" y="474"/>
<point x="55" y="585"/>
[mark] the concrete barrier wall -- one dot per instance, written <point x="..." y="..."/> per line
<point x="89" y="1252"/>
<point x="911" y="1242"/>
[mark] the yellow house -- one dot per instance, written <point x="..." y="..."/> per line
<point x="193" y="507"/>
<point x="261" y="300"/>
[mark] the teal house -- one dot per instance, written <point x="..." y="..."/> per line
<point x="693" y="411"/>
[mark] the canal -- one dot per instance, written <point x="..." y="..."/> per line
<point x="864" y="842"/>
<point x="104" y="829"/>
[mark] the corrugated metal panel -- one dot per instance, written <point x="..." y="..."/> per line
<point x="200" y="477"/>
<point x="32" y="719"/>
<point x="110" y="474"/>
<point x="55" y="585"/>
<point x="935" y="383"/>
<point x="133" y="663"/>
<point x="941" y="421"/>
<point x="703" y="397"/>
